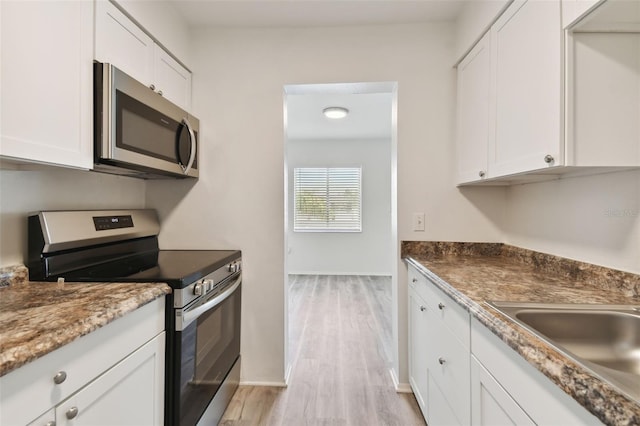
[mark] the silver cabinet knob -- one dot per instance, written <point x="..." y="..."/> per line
<point x="51" y="423"/>
<point x="160" y="92"/>
<point x="71" y="413"/>
<point x="440" y="306"/>
<point x="60" y="377"/>
<point x="442" y="360"/>
<point x="481" y="173"/>
<point x="422" y="308"/>
<point x="152" y="87"/>
<point x="548" y="159"/>
<point x="414" y="280"/>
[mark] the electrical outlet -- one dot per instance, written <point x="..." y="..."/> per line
<point x="418" y="221"/>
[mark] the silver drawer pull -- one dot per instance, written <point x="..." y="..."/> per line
<point x="60" y="377"/>
<point x="71" y="413"/>
<point x="415" y="280"/>
<point x="422" y="308"/>
<point x="442" y="360"/>
<point x="440" y="306"/>
<point x="51" y="423"/>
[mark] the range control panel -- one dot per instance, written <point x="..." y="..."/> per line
<point x="112" y="222"/>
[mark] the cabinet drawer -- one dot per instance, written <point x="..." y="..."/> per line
<point x="452" y="315"/>
<point x="419" y="283"/>
<point x="448" y="364"/>
<point x="81" y="360"/>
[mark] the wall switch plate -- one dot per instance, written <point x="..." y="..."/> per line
<point x="418" y="221"/>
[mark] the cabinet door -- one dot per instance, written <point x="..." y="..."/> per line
<point x="490" y="403"/>
<point x="47" y="83"/>
<point x="130" y="393"/>
<point x="47" y="419"/>
<point x="441" y="410"/>
<point x="527" y="83"/>
<point x="119" y="41"/>
<point x="473" y="112"/>
<point x="418" y="349"/>
<point x="172" y="80"/>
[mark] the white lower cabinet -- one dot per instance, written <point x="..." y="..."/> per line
<point x="127" y="394"/>
<point x="438" y="353"/>
<point x="418" y="348"/>
<point x="490" y="403"/>
<point x="504" y="386"/>
<point x="112" y="376"/>
<point x="461" y="373"/>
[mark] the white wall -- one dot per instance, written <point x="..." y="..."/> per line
<point x="22" y="192"/>
<point x="239" y="198"/>
<point x="594" y="219"/>
<point x="345" y="253"/>
<point x="474" y="20"/>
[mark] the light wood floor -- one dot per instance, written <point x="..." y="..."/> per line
<point x="340" y="334"/>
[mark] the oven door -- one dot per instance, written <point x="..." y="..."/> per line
<point x="206" y="346"/>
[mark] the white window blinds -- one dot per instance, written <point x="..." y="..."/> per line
<point x="327" y="199"/>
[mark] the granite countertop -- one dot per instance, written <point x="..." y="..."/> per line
<point x="38" y="317"/>
<point x="473" y="273"/>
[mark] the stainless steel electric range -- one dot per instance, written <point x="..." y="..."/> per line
<point x="203" y="311"/>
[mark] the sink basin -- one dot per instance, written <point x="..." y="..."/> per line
<point x="603" y="338"/>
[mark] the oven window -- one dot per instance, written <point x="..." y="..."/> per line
<point x="209" y="347"/>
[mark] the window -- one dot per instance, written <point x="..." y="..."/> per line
<point x="327" y="199"/>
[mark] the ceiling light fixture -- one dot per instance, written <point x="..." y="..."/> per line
<point x="335" y="112"/>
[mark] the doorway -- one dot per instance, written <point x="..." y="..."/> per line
<point x="332" y="238"/>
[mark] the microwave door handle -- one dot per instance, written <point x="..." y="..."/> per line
<point x="192" y="156"/>
<point x="189" y="316"/>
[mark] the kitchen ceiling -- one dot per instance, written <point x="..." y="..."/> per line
<point x="314" y="13"/>
<point x="370" y="113"/>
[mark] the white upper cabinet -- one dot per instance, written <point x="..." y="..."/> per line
<point x="527" y="81"/>
<point x="558" y="102"/>
<point x="121" y="42"/>
<point x="173" y="81"/>
<point x="473" y="112"/>
<point x="47" y="82"/>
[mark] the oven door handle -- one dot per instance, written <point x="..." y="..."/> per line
<point x="192" y="140"/>
<point x="188" y="316"/>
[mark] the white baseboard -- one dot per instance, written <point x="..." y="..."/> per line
<point x="288" y="374"/>
<point x="400" y="387"/>
<point x="349" y="274"/>
<point x="270" y="384"/>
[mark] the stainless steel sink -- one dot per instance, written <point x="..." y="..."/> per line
<point x="603" y="338"/>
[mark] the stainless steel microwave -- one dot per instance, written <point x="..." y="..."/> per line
<point x="138" y="132"/>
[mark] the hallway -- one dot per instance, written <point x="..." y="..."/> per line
<point x="340" y="342"/>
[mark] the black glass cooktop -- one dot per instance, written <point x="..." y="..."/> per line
<point x="178" y="268"/>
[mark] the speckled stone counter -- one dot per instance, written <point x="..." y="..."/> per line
<point x="37" y="318"/>
<point x="473" y="273"/>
